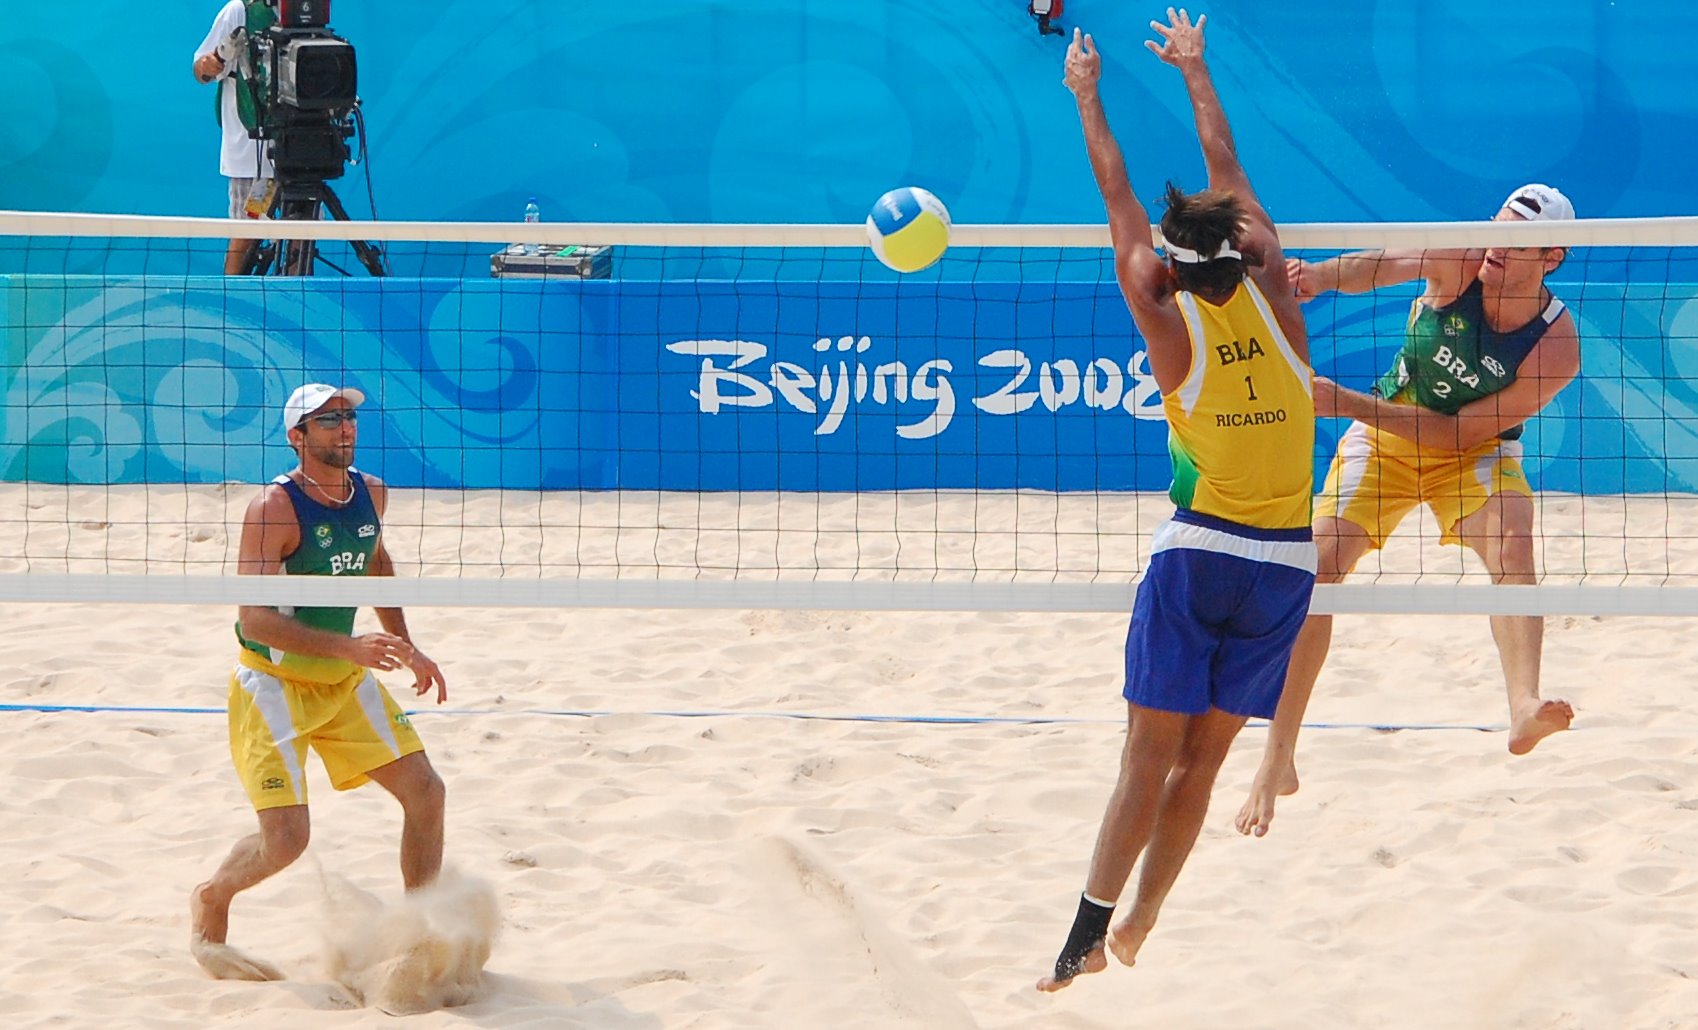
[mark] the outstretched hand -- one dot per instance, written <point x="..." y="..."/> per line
<point x="1084" y="65"/>
<point x="1182" y="42"/>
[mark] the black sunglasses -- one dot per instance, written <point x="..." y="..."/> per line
<point x="332" y="419"/>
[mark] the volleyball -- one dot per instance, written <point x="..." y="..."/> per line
<point x="908" y="229"/>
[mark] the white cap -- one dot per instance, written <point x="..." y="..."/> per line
<point x="1537" y="202"/>
<point x="313" y="396"/>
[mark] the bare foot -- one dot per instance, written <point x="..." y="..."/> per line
<point x="223" y="962"/>
<point x="1536" y="723"/>
<point x="209" y="920"/>
<point x="1125" y="940"/>
<point x="1095" y="962"/>
<point x="1258" y="811"/>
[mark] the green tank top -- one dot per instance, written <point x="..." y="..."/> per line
<point x="1450" y="356"/>
<point x="334" y="542"/>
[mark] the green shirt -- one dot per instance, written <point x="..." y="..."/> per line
<point x="1451" y="357"/>
<point x="334" y="542"/>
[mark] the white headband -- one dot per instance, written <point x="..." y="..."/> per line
<point x="1187" y="256"/>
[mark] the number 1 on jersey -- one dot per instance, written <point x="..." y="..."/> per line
<point x="1251" y="384"/>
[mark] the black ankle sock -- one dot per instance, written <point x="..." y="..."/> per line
<point x="1090" y="928"/>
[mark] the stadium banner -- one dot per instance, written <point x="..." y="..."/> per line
<point x="700" y="385"/>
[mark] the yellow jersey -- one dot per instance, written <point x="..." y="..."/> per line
<point x="1241" y="428"/>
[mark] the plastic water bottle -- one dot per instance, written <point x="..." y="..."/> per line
<point x="533" y="215"/>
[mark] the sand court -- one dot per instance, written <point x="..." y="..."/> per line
<point x="749" y="869"/>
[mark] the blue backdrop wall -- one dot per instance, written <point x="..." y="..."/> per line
<point x="719" y="385"/>
<point x="806" y="110"/>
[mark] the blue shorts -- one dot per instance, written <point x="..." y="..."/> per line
<point x="1216" y="616"/>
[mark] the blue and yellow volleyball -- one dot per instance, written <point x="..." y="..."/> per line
<point x="909" y="229"/>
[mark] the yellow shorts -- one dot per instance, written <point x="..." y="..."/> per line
<point x="1376" y="479"/>
<point x="354" y="725"/>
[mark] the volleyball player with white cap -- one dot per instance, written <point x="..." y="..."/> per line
<point x="304" y="677"/>
<point x="1487" y="347"/>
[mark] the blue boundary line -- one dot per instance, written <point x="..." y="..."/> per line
<point x="924" y="720"/>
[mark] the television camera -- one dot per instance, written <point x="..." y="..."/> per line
<point x="305" y="83"/>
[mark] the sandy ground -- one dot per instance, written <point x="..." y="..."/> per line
<point x="758" y="868"/>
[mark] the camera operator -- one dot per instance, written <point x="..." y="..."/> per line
<point x="242" y="158"/>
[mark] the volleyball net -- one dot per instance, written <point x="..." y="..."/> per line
<point x="754" y="416"/>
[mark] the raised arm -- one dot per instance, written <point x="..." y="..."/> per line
<point x="1128" y="222"/>
<point x="1182" y="47"/>
<point x="1141" y="271"/>
<point x="1446" y="272"/>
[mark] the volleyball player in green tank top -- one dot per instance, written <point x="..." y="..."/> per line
<point x="304" y="677"/>
<point x="1487" y="347"/>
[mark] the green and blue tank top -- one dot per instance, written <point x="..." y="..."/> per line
<point x="337" y="541"/>
<point x="1451" y="357"/>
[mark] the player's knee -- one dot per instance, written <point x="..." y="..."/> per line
<point x="428" y="795"/>
<point x="1515" y="556"/>
<point x="438" y="791"/>
<point x="1330" y="560"/>
<point x="285" y="839"/>
<point x="1335" y="555"/>
<point x="1202" y="757"/>
<point x="1148" y="754"/>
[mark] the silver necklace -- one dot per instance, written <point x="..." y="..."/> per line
<point x="326" y="491"/>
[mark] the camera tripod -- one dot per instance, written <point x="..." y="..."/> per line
<point x="300" y="201"/>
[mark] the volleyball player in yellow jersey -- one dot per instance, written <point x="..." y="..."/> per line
<point x="1231" y="573"/>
